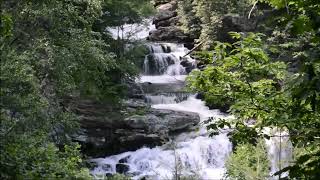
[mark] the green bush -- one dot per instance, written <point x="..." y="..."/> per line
<point x="248" y="162"/>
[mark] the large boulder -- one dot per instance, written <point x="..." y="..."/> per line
<point x="164" y="15"/>
<point x="108" y="129"/>
<point x="174" y="21"/>
<point x="160" y="2"/>
<point x="161" y="121"/>
<point x="156" y="88"/>
<point x="167" y="24"/>
<point x="189" y="66"/>
<point x="235" y="23"/>
<point x="134" y="90"/>
<point x="170" y="34"/>
<point x="168" y="6"/>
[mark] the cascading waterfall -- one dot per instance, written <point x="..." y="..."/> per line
<point x="279" y="150"/>
<point x="166" y="98"/>
<point x="188" y="154"/>
<point x="192" y="153"/>
<point x="164" y="58"/>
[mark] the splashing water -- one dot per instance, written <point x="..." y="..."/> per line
<point x="164" y="59"/>
<point x="192" y="153"/>
<point x="189" y="153"/>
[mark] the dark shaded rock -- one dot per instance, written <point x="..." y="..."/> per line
<point x="166" y="14"/>
<point x="106" y="167"/>
<point x="124" y="160"/>
<point x="156" y="88"/>
<point x="235" y="23"/>
<point x="163" y="16"/>
<point x="170" y="34"/>
<point x="200" y="96"/>
<point x="189" y="66"/>
<point x="159" y="2"/>
<point x="222" y="108"/>
<point x="109" y="174"/>
<point x="162" y="121"/>
<point x="122" y="168"/>
<point x="134" y="140"/>
<point x="134" y="90"/>
<point x="169" y="22"/>
<point x="166" y="49"/>
<point x="105" y="130"/>
<point x="169" y="5"/>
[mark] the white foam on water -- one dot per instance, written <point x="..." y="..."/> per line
<point x="279" y="149"/>
<point x="195" y="152"/>
<point x="166" y="98"/>
<point x="191" y="153"/>
<point x="164" y="59"/>
<point x="162" y="79"/>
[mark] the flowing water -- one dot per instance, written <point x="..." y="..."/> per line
<point x="192" y="153"/>
<point x="188" y="154"/>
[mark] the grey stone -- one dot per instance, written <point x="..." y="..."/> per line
<point x="122" y="168"/>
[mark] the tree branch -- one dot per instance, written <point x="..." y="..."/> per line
<point x="254" y="5"/>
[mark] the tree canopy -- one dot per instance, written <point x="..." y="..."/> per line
<point x="273" y="79"/>
<point x="51" y="50"/>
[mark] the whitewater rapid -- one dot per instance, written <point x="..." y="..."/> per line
<point x="191" y="154"/>
<point x="194" y="153"/>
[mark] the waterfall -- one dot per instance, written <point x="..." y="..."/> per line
<point x="193" y="153"/>
<point x="166" y="98"/>
<point x="279" y="150"/>
<point x="188" y="154"/>
<point x="164" y="59"/>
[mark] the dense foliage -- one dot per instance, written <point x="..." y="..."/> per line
<point x="202" y="19"/>
<point x="243" y="164"/>
<point x="51" y="50"/>
<point x="273" y="81"/>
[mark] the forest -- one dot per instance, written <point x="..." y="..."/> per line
<point x="70" y="95"/>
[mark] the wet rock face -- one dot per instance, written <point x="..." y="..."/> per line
<point x="122" y="168"/>
<point x="159" y="2"/>
<point x="158" y="121"/>
<point x="237" y="24"/>
<point x="162" y="87"/>
<point x="167" y="24"/>
<point x="164" y="15"/>
<point x="188" y="65"/>
<point x="107" y="130"/>
<point x="169" y="34"/>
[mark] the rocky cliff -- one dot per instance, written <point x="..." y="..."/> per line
<point x="167" y="24"/>
<point x="106" y="129"/>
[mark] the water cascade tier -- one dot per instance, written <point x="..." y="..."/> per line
<point x="164" y="59"/>
<point x="187" y="154"/>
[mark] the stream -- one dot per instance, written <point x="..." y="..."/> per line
<point x="192" y="153"/>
